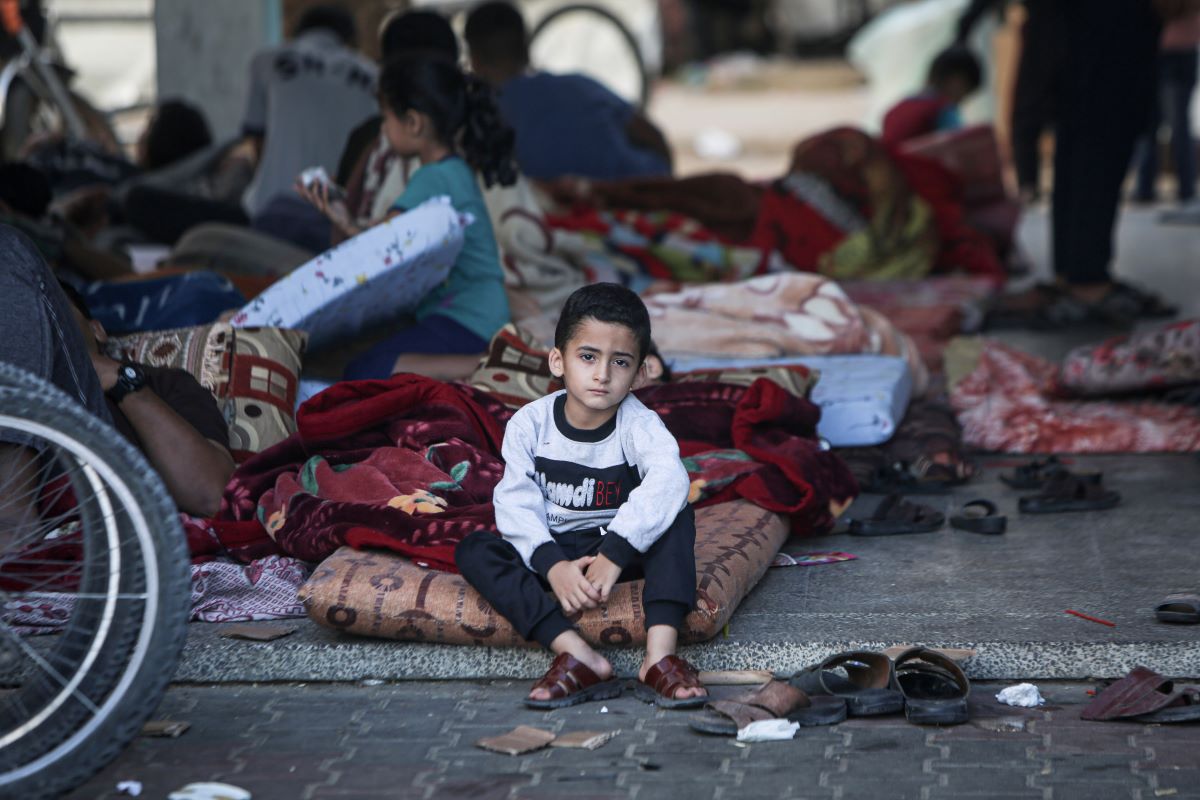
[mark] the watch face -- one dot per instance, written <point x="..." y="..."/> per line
<point x="129" y="373"/>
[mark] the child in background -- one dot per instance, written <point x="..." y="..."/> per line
<point x="953" y="76"/>
<point x="593" y="492"/>
<point x="447" y="119"/>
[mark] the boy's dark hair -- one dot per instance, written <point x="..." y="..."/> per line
<point x="76" y="299"/>
<point x="418" y="31"/>
<point x="332" y="17"/>
<point x="605" y="302"/>
<point x="25" y="189"/>
<point x="461" y="106"/>
<point x="495" y="33"/>
<point x="956" y="61"/>
<point x="177" y="130"/>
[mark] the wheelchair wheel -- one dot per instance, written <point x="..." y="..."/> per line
<point x="589" y="39"/>
<point x="91" y="555"/>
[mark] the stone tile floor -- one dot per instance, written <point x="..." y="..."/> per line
<point x="416" y="740"/>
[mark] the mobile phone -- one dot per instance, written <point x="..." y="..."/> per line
<point x="315" y="175"/>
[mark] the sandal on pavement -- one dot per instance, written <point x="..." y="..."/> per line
<point x="571" y="682"/>
<point x="926" y="477"/>
<point x="980" y="516"/>
<point x="773" y="700"/>
<point x="865" y="680"/>
<point x="1145" y="696"/>
<point x="1066" y="491"/>
<point x="894" y="515"/>
<point x="935" y="688"/>
<point x="669" y="675"/>
<point x="1182" y="608"/>
<point x="1034" y="474"/>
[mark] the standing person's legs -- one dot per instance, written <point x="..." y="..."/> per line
<point x="1146" y="159"/>
<point x="1033" y="97"/>
<point x="1180" y="67"/>
<point x="1108" y="78"/>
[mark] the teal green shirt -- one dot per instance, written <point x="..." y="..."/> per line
<point x="473" y="294"/>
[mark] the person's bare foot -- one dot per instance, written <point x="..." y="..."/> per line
<point x="571" y="642"/>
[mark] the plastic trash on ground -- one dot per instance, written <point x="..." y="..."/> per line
<point x="1025" y="695"/>
<point x="768" y="730"/>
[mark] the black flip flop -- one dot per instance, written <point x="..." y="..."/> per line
<point x="1181" y="608"/>
<point x="980" y="516"/>
<point x="1066" y="491"/>
<point x="901" y="477"/>
<point x="894" y="516"/>
<point x="934" y="687"/>
<point x="865" y="680"/>
<point x="1032" y="475"/>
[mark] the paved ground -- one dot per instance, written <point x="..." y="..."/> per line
<point x="416" y="740"/>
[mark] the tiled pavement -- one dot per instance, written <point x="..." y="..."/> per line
<point x="416" y="740"/>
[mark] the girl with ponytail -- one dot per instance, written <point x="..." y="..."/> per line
<point x="448" y="120"/>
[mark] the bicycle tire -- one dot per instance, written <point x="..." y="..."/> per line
<point x="130" y="668"/>
<point x="610" y="19"/>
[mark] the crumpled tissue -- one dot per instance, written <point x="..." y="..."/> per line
<point x="768" y="730"/>
<point x="1025" y="695"/>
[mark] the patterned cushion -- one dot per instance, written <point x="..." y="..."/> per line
<point x="252" y="372"/>
<point x="514" y="370"/>
<point x="375" y="593"/>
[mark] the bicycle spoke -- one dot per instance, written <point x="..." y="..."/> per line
<point x="37" y="659"/>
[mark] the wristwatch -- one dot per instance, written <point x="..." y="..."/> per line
<point x="130" y="378"/>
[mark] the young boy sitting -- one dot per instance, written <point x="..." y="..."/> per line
<point x="593" y="492"/>
<point x="954" y="75"/>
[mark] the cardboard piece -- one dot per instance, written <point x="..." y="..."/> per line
<point x="521" y="739"/>
<point x="588" y="740"/>
<point x="735" y="677"/>
<point x="165" y="728"/>
<point x="258" y="631"/>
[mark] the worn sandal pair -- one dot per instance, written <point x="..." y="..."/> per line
<point x="929" y="686"/>
<point x="572" y="682"/>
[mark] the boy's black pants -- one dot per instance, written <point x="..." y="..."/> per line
<point x="493" y="566"/>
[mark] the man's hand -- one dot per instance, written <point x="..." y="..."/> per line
<point x="602" y="574"/>
<point x="573" y="591"/>
<point x="106" y="368"/>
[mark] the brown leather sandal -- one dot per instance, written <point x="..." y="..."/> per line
<point x="664" y="679"/>
<point x="773" y="700"/>
<point x="571" y="682"/>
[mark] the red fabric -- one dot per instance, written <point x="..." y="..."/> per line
<point x="435" y="448"/>
<point x="1009" y="403"/>
<point x="912" y="117"/>
<point x="794" y="229"/>
<point x="962" y="247"/>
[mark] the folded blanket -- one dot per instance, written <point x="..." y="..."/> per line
<point x="862" y="398"/>
<point x="409" y="464"/>
<point x="772" y="316"/>
<point x="1009" y="403"/>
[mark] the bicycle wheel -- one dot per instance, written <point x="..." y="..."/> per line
<point x="91" y="551"/>
<point x="591" y="40"/>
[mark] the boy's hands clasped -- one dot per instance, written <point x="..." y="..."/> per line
<point x="583" y="583"/>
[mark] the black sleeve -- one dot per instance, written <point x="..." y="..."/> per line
<point x="184" y="394"/>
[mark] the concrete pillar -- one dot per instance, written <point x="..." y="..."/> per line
<point x="204" y="50"/>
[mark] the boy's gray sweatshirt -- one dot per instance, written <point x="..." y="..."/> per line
<point x="624" y="477"/>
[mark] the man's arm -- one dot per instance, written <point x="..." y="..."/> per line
<point x="645" y="135"/>
<point x="194" y="469"/>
